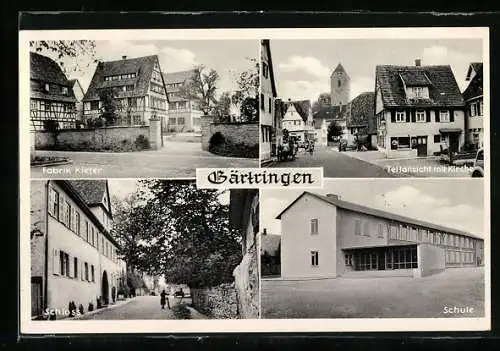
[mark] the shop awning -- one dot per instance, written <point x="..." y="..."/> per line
<point x="449" y="130"/>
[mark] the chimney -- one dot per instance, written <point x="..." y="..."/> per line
<point x="124" y="57"/>
<point x="333" y="196"/>
<point x="418" y="62"/>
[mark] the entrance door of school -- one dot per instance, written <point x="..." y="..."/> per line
<point x="419" y="143"/>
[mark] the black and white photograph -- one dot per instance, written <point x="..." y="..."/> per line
<point x="378" y="248"/>
<point x="374" y="107"/>
<point x="142" y="108"/>
<point x="112" y="249"/>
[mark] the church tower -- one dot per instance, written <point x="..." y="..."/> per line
<point x="340" y="86"/>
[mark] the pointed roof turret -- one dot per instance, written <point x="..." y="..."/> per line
<point x="339" y="69"/>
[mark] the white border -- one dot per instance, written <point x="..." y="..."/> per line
<point x="203" y="326"/>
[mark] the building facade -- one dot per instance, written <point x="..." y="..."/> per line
<point x="326" y="237"/>
<point x="79" y="94"/>
<point x="73" y="256"/>
<point x="298" y="120"/>
<point x="473" y="97"/>
<point x="137" y="88"/>
<point x="52" y="99"/>
<point x="419" y="110"/>
<point x="184" y="115"/>
<point x="267" y="96"/>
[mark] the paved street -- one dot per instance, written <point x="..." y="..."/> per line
<point x="335" y="164"/>
<point x="141" y="307"/>
<point x="174" y="160"/>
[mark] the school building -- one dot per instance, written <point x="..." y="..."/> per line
<point x="326" y="237"/>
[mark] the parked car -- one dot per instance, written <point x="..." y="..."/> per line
<point x="478" y="170"/>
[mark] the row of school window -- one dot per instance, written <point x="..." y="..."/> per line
<point x="71" y="267"/>
<point x="459" y="257"/>
<point x="421" y="116"/>
<point x="63" y="211"/>
<point x="408" y="233"/>
<point x="366" y="228"/>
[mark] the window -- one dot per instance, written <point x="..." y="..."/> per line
<point x="444" y="116"/>
<point x="262" y="102"/>
<point x="92" y="271"/>
<point x="314" y="258"/>
<point x="132" y="102"/>
<point x="67" y="215"/>
<point x="419" y="235"/>
<point x="437" y="138"/>
<point x="348" y="259"/>
<point x="87" y="230"/>
<point x="265" y="70"/>
<point x="400" y="143"/>
<point x="366" y="228"/>
<point x="339" y="83"/>
<point x="270" y="104"/>
<point x="400" y="116"/>
<point x="357" y="227"/>
<point x="172" y="121"/>
<point x="418" y="91"/>
<point x="314" y="226"/>
<point x="77" y="223"/>
<point x="75" y="267"/>
<point x="181" y="121"/>
<point x="380" y="230"/>
<point x="54" y="202"/>
<point x="64" y="90"/>
<point x="480" y="108"/>
<point x="94" y="105"/>
<point x="420" y="116"/>
<point x="93" y="237"/>
<point x="394" y="232"/>
<point x="64" y="263"/>
<point x="86" y="267"/>
<point x="473" y="109"/>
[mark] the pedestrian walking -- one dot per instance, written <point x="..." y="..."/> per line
<point x="163" y="298"/>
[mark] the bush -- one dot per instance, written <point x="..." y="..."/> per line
<point x="91" y="307"/>
<point x="141" y="142"/>
<point x="236" y="150"/>
<point x="181" y="312"/>
<point x="80" y="309"/>
<point x="216" y="139"/>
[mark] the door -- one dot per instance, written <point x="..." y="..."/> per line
<point x="105" y="288"/>
<point x="421" y="146"/>
<point x="453" y="142"/>
<point x="36" y="296"/>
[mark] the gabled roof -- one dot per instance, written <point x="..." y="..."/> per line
<point x="270" y="243"/>
<point x="475" y="87"/>
<point x="178" y="77"/>
<point x="45" y="69"/>
<point x="142" y="66"/>
<point x="443" y="87"/>
<point x="302" y="107"/>
<point x="362" y="108"/>
<point x="265" y="43"/>
<point x="378" y="213"/>
<point x="92" y="191"/>
<point x="339" y="69"/>
<point x="474" y="66"/>
<point x="329" y="112"/>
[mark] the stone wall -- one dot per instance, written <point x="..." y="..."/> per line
<point x="235" y="132"/>
<point x="247" y="285"/>
<point x="218" y="302"/>
<point x="100" y="139"/>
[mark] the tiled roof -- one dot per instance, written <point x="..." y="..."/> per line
<point x="339" y="69"/>
<point x="270" y="243"/>
<point x="142" y="66"/>
<point x="477" y="66"/>
<point x="475" y="87"/>
<point x="362" y="108"/>
<point x="45" y="69"/>
<point x="414" y="78"/>
<point x="178" y="77"/>
<point x="267" y="46"/>
<point x="379" y="213"/>
<point x="302" y="107"/>
<point x="92" y="191"/>
<point x="443" y="88"/>
<point x="321" y="111"/>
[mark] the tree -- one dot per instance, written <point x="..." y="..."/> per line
<point x="201" y="88"/>
<point x="250" y="109"/>
<point x="69" y="54"/>
<point x="334" y="130"/>
<point x="247" y="95"/>
<point x="223" y="106"/>
<point x="109" y="105"/>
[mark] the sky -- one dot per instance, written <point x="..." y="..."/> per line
<point x="455" y="203"/>
<point x="227" y="57"/>
<point x="302" y="68"/>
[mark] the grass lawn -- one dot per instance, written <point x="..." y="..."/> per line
<point x="394" y="297"/>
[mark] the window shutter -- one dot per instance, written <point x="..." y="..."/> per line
<point x="428" y="115"/>
<point x="393" y="116"/>
<point x="452" y="115"/>
<point x="408" y="115"/>
<point x="55" y="262"/>
<point x="437" y="116"/>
